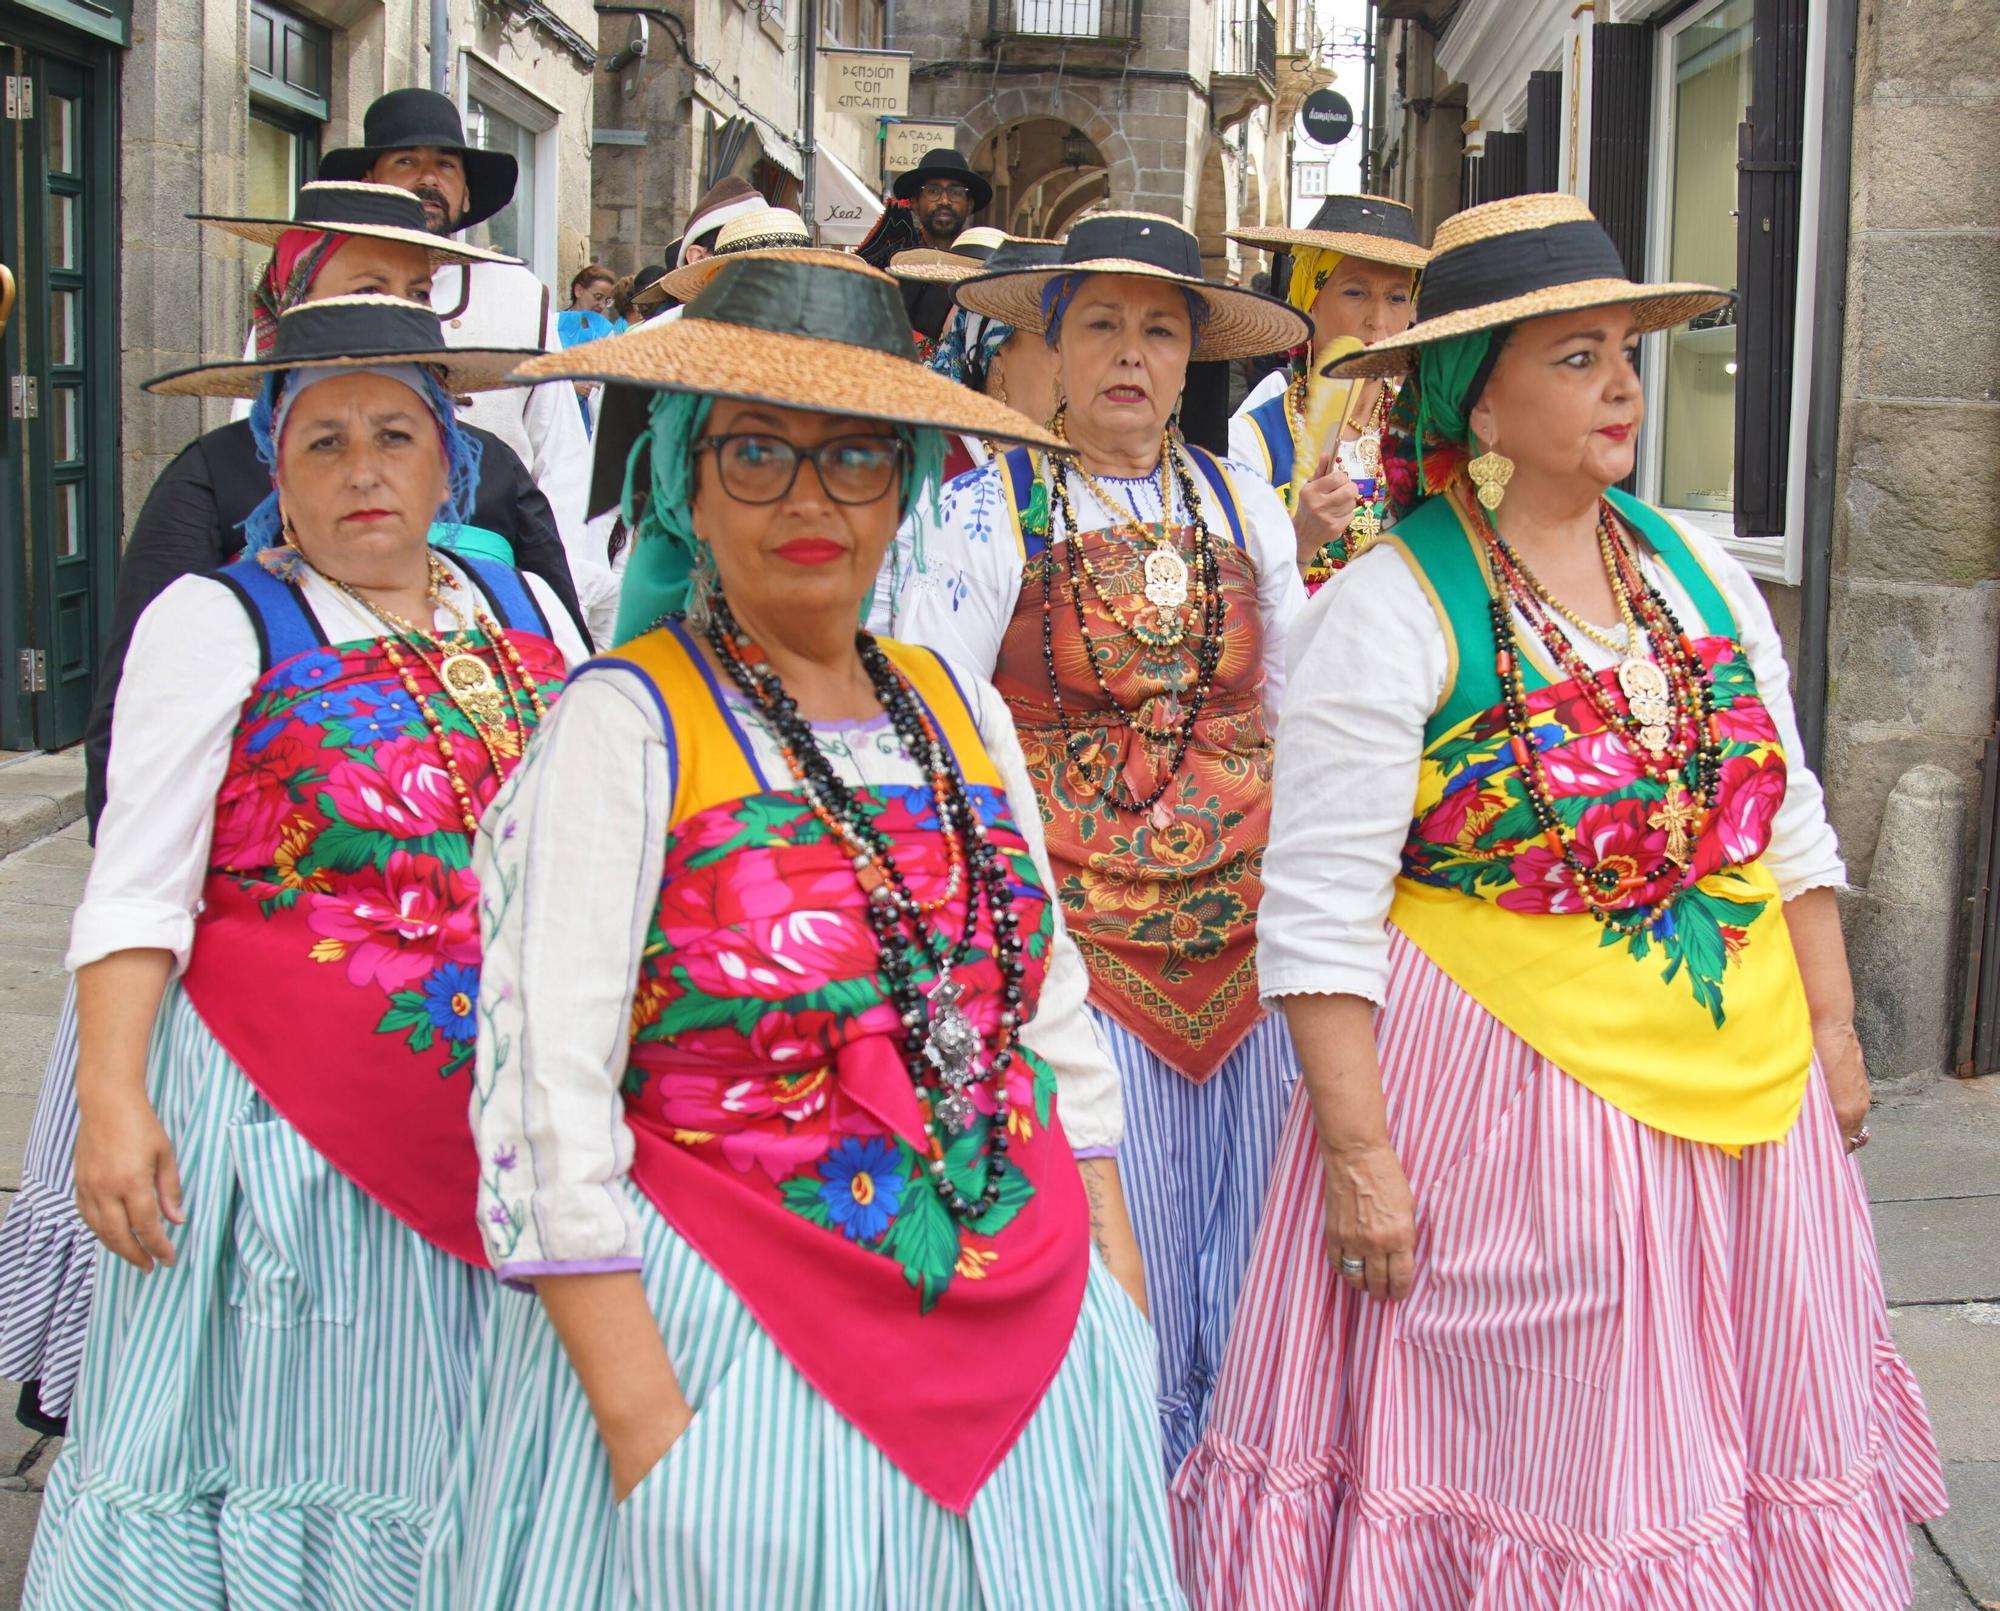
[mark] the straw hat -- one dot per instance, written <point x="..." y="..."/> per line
<point x="728" y="198"/>
<point x="350" y="207"/>
<point x="1524" y="258"/>
<point x="768" y="229"/>
<point x="810" y="330"/>
<point x="1148" y="246"/>
<point x="961" y="262"/>
<point x="353" y="332"/>
<point x="1370" y="227"/>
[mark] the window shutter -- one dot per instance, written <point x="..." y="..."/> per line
<point x="1504" y="171"/>
<point x="1621" y="141"/>
<point x="1769" y="149"/>
<point x="1544" y="132"/>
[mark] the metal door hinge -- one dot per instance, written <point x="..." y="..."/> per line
<point x="34" y="671"/>
<point x="24" y="398"/>
<point x="20" y="99"/>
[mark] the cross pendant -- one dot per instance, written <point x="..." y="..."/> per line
<point x="1676" y="815"/>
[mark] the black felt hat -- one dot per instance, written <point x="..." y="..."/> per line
<point x="1148" y="246"/>
<point x="943" y="163"/>
<point x="1370" y="227"/>
<point x="353" y="332"/>
<point x="407" y="118"/>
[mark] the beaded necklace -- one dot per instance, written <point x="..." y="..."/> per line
<point x="1668" y="720"/>
<point x="1109" y="785"/>
<point x="940" y="1047"/>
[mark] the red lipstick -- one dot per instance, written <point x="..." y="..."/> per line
<point x="810" y="551"/>
<point x="1617" y="433"/>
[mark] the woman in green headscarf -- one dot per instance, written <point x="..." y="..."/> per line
<point x="1565" y="1290"/>
<point x="789" y="1115"/>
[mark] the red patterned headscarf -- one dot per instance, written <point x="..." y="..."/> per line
<point x="300" y="255"/>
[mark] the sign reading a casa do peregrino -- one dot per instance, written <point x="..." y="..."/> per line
<point x="906" y="144"/>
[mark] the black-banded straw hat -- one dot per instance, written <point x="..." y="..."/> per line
<point x="968" y="257"/>
<point x="1524" y="258"/>
<point x="353" y="332"/>
<point x="1370" y="227"/>
<point x="1147" y="246"/>
<point x="406" y="119"/>
<point x="352" y="207"/>
<point x="768" y="229"/>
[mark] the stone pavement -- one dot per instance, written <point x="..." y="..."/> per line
<point x="1933" y="1172"/>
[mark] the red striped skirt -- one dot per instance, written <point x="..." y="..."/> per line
<point x="1632" y="1374"/>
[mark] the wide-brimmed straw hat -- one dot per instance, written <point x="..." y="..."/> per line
<point x="810" y="330"/>
<point x="405" y="119"/>
<point x="1148" y="246"/>
<point x="353" y="332"/>
<point x="1524" y="258"/>
<point x="1371" y="227"/>
<point x="961" y="263"/>
<point x="351" y="207"/>
<point x="768" y="229"/>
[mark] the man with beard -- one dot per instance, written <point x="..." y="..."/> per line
<point x="413" y="139"/>
<point x="943" y="193"/>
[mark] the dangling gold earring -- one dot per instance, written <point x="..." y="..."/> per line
<point x="1490" y="473"/>
<point x="1059" y="417"/>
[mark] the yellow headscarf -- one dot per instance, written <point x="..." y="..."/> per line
<point x="1312" y="267"/>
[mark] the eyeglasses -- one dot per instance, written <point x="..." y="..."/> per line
<point x="762" y="469"/>
<point x="944" y="190"/>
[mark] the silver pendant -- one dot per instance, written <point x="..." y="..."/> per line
<point x="952" y="1042"/>
<point x="954" y="1112"/>
<point x="1166" y="579"/>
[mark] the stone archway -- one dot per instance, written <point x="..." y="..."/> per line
<point x="1212" y="213"/>
<point x="1044" y="172"/>
<point x="991" y="121"/>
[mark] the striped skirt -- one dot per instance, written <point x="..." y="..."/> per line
<point x="771" y="1502"/>
<point x="1195" y="1164"/>
<point x="1633" y="1372"/>
<point x="48" y="1256"/>
<point x="268" y="1422"/>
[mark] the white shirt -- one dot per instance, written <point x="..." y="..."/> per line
<point x="193" y="662"/>
<point x="579" y="835"/>
<point x="1246" y="442"/>
<point x="952" y="578"/>
<point x="1369" y="666"/>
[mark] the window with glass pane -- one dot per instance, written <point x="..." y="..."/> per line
<point x="512" y="229"/>
<point x="278" y="166"/>
<point x="1711" y="96"/>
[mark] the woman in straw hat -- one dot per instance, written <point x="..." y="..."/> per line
<point x="1132" y="609"/>
<point x="1565" y="1291"/>
<point x="783" y="1054"/>
<point x="349" y="239"/>
<point x="1353" y="273"/>
<point x="281" y="909"/>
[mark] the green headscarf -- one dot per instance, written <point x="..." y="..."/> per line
<point x="1450" y="375"/>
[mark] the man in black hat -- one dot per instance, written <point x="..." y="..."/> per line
<point x="943" y="193"/>
<point x="413" y="139"/>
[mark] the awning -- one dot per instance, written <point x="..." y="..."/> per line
<point x="844" y="204"/>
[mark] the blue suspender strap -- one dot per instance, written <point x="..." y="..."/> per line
<point x="507" y="595"/>
<point x="1276" y="431"/>
<point x="1018" y="466"/>
<point x="285" y="627"/>
<point x="1218" y="478"/>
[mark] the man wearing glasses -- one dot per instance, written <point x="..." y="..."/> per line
<point x="943" y="193"/>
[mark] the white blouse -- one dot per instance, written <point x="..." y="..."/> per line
<point x="953" y="576"/>
<point x="1369" y="665"/>
<point x="194" y="660"/>
<point x="1246" y="442"/>
<point x="576" y="839"/>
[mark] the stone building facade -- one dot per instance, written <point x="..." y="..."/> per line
<point x="1843" y="436"/>
<point x="139" y="112"/>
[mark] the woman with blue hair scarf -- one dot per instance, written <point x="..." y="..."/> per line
<point x="1131" y="605"/>
<point x="277" y="966"/>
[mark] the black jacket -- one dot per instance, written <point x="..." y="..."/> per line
<point x="191" y="524"/>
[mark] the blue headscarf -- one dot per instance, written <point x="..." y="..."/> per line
<point x="1061" y="290"/>
<point x="966" y="350"/>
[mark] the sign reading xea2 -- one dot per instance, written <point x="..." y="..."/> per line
<point x="1326" y="118"/>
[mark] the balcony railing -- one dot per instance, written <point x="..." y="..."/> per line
<point x="1246" y="42"/>
<point x="1066" y="19"/>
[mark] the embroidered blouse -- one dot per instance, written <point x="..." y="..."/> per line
<point x="194" y="660"/>
<point x="590" y="894"/>
<point x="1369" y="665"/>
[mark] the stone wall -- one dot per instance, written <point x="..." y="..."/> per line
<point x="1914" y="635"/>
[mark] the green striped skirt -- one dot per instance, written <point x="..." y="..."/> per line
<point x="268" y="1423"/>
<point x="770" y="1501"/>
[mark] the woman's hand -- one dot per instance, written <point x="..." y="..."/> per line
<point x="1369" y="1216"/>
<point x="1846" y="1071"/>
<point x="1111" y="1226"/>
<point x="1326" y="504"/>
<point x="637" y="1448"/>
<point x="127" y="1182"/>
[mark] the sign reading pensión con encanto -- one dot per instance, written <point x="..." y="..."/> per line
<point x="867" y="83"/>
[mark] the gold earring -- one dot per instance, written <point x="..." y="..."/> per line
<point x="1490" y="473"/>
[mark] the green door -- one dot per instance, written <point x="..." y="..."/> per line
<point x="59" y="514"/>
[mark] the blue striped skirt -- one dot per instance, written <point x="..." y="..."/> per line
<point x="268" y="1422"/>
<point x="771" y="1501"/>
<point x="1195" y="1164"/>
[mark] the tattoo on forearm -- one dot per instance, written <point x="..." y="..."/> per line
<point x="1093" y="1189"/>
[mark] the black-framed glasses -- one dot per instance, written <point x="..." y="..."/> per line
<point x="757" y="468"/>
<point x="945" y="190"/>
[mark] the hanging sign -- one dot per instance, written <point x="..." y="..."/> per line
<point x="1326" y="118"/>
<point x="867" y="83"/>
<point x="905" y="144"/>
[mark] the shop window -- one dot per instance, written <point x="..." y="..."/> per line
<point x="501" y="115"/>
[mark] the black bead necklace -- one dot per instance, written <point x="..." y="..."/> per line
<point x="939" y="1047"/>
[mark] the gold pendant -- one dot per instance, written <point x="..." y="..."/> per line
<point x="1166" y="579"/>
<point x="469" y="681"/>
<point x="1676" y="815"/>
<point x="1368" y="453"/>
<point x="1648" y="698"/>
<point x="1363" y="529"/>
